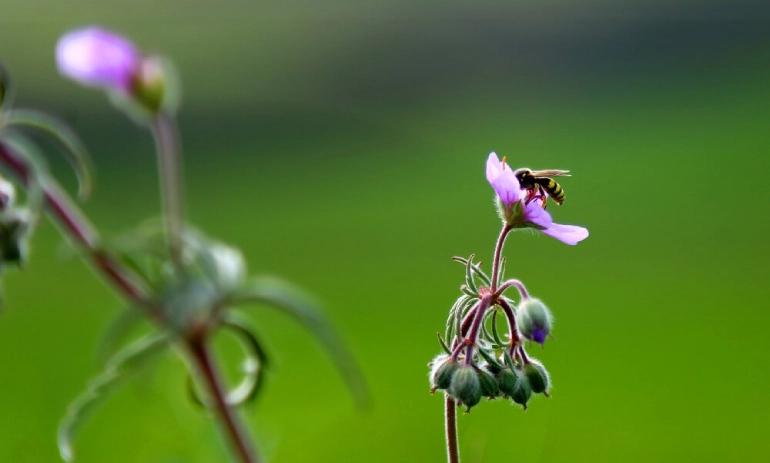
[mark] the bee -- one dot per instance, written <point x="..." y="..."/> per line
<point x="539" y="185"/>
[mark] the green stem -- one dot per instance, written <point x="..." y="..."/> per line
<point x="169" y="167"/>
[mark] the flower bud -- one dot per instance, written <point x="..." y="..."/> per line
<point x="534" y="320"/>
<point x="487" y="382"/>
<point x="7" y="194"/>
<point x="14" y="228"/>
<point x="506" y="381"/>
<point x="155" y="85"/>
<point x="538" y="376"/>
<point x="444" y="368"/>
<point x="522" y="391"/>
<point x="465" y="386"/>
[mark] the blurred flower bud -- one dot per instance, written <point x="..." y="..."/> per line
<point x="14" y="230"/>
<point x="538" y="376"/>
<point x="522" y="391"/>
<point x="96" y="57"/>
<point x="465" y="386"/>
<point x="487" y="382"/>
<point x="534" y="320"/>
<point x="7" y="194"/>
<point x="444" y="368"/>
<point x="156" y="85"/>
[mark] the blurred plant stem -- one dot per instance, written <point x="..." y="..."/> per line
<point x="232" y="427"/>
<point x="169" y="166"/>
<point x="73" y="223"/>
<point x="450" y="421"/>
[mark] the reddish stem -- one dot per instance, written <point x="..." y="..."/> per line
<point x="234" y="430"/>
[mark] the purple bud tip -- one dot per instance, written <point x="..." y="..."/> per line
<point x="97" y="57"/>
<point x="539" y="334"/>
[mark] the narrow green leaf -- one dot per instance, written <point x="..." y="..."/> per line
<point x="469" y="280"/>
<point x="476" y="269"/>
<point x="76" y="152"/>
<point x="99" y="388"/>
<point x="282" y="295"/>
<point x="443" y="344"/>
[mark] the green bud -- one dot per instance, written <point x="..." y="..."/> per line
<point x="522" y="391"/>
<point x="488" y="382"/>
<point x="443" y="370"/>
<point x="156" y="86"/>
<point x="465" y="386"/>
<point x="534" y="320"/>
<point x="506" y="381"/>
<point x="537" y="376"/>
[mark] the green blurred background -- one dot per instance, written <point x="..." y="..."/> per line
<point x="342" y="144"/>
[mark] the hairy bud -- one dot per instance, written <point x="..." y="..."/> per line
<point x="534" y="320"/>
<point x="538" y="376"/>
<point x="444" y="368"/>
<point x="465" y="386"/>
<point x="488" y="382"/>
<point x="522" y="391"/>
<point x="506" y="381"/>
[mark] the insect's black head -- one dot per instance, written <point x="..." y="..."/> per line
<point x="522" y="174"/>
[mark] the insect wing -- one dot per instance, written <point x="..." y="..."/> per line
<point x="551" y="173"/>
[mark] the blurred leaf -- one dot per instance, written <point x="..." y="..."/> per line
<point x="118" y="368"/>
<point x="285" y="296"/>
<point x="74" y="149"/>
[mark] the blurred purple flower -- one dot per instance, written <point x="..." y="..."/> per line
<point x="505" y="184"/>
<point x="97" y="57"/>
<point x="520" y="214"/>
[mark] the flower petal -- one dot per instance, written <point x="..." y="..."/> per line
<point x="569" y="234"/>
<point x="503" y="181"/>
<point x="97" y="57"/>
<point x="534" y="212"/>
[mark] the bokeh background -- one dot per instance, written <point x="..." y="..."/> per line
<point x="342" y="145"/>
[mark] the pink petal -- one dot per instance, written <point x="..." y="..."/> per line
<point x="569" y="234"/>
<point x="97" y="57"/>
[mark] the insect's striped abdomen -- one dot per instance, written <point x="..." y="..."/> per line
<point x="554" y="190"/>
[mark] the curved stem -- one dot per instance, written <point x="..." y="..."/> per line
<point x="450" y="424"/>
<point x="241" y="444"/>
<point x="169" y="166"/>
<point x="513" y="282"/>
<point x="498" y="253"/>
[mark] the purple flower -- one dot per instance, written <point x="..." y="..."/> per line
<point x="517" y="212"/>
<point x="97" y="57"/>
<point x="505" y="184"/>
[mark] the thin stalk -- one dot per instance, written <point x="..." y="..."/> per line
<point x="450" y="424"/>
<point x="240" y="442"/>
<point x="507" y="284"/>
<point x="481" y="309"/>
<point x="169" y="166"/>
<point x="498" y="253"/>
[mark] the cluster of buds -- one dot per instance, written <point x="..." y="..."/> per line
<point x="478" y="361"/>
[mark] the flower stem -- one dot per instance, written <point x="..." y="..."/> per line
<point x="169" y="166"/>
<point x="241" y="444"/>
<point x="498" y="254"/>
<point x="450" y="422"/>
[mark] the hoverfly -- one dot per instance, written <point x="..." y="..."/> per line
<point x="539" y="184"/>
